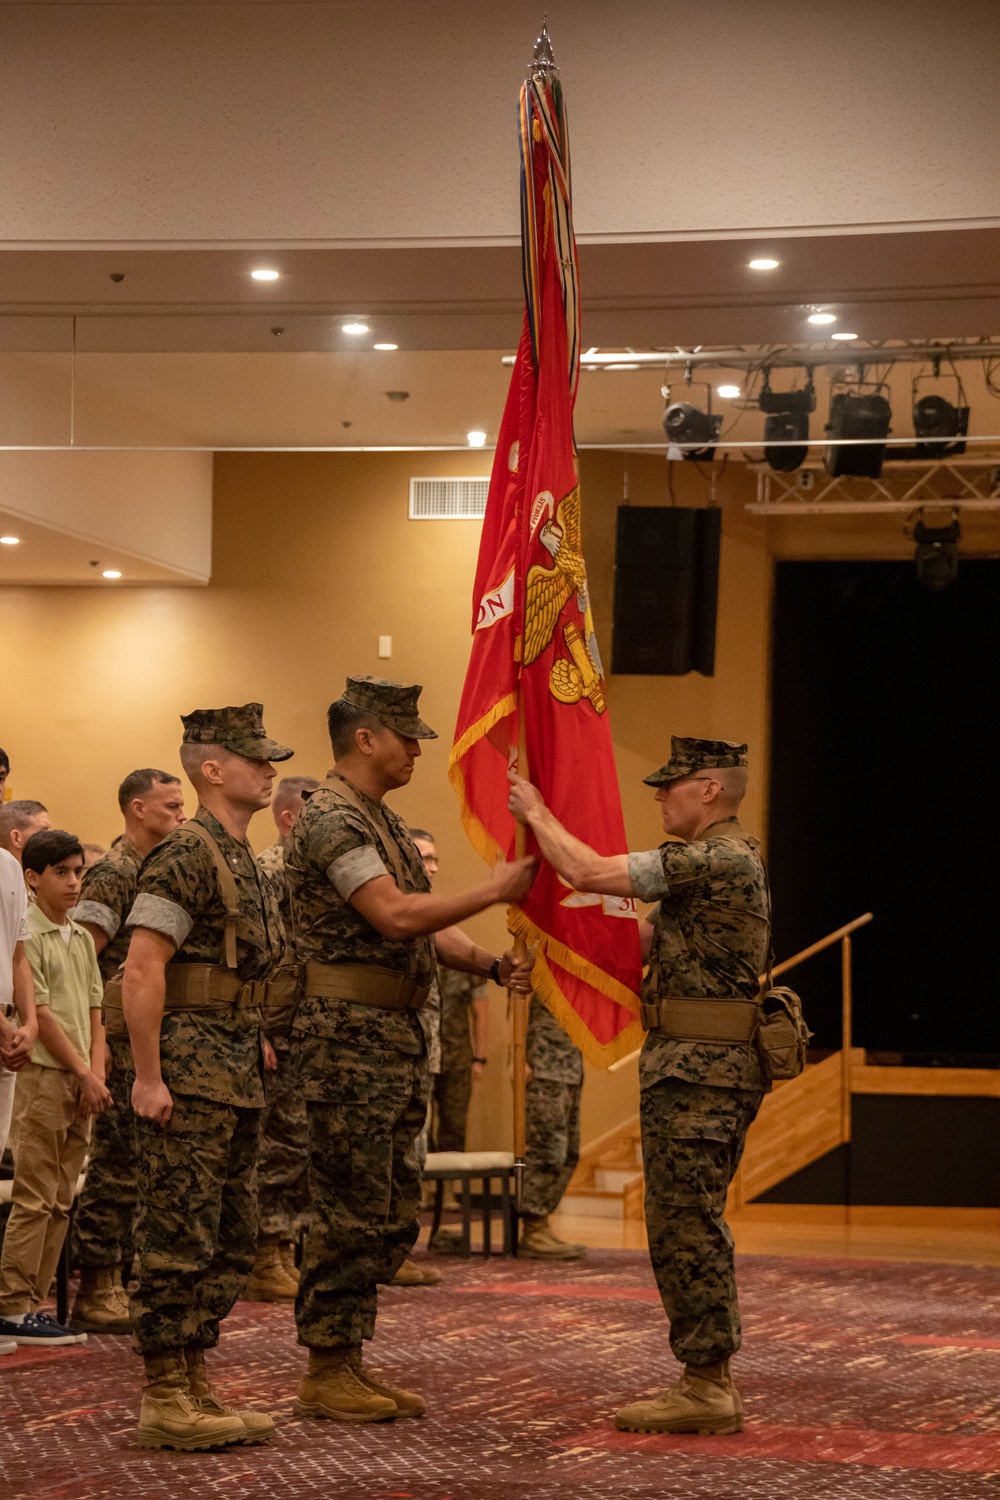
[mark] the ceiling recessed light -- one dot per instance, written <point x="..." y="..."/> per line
<point x="264" y="273"/>
<point x="476" y="439"/>
<point x="822" y="317"/>
<point x="385" y="346"/>
<point x="730" y="392"/>
<point x="111" y="573"/>
<point x="763" y="263"/>
<point x="843" y="336"/>
<point x="9" y="541"/>
<point x="354" y="328"/>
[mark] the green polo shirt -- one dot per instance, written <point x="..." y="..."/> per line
<point x="67" y="980"/>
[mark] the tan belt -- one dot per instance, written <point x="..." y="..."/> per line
<point x="365" y="984"/>
<point x="199" y="987"/>
<point x="711" y="1019"/>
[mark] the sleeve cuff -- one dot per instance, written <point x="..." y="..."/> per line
<point x="160" y="915"/>
<point x="645" y="871"/>
<point x="353" y="870"/>
<point x="98" y="915"/>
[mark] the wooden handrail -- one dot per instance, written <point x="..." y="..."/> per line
<point x="827" y="942"/>
<point x="842" y="935"/>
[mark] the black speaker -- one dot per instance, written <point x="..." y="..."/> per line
<point x="666" y="590"/>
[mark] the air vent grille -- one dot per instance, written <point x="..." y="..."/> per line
<point x="448" y="499"/>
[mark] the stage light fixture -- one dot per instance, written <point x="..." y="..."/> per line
<point x="863" y="416"/>
<point x="936" y="553"/>
<point x="684" y="423"/>
<point x="934" y="416"/>
<point x="786" y="421"/>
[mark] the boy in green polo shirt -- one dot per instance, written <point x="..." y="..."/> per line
<point x="57" y="1092"/>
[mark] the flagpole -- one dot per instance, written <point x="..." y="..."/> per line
<point x="520" y="1002"/>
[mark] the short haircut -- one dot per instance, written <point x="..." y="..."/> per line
<point x="49" y="847"/>
<point x="342" y="719"/>
<point x="98" y="849"/>
<point x="421" y="833"/>
<point x="290" y="789"/>
<point x="193" y="757"/>
<point x="4" y="761"/>
<point x="18" y="814"/>
<point x="138" y="783"/>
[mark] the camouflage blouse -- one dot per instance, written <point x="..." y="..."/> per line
<point x="551" y="1054"/>
<point x="210" y="1054"/>
<point x="106" y="899"/>
<point x="458" y="991"/>
<point x="331" y="851"/>
<point x="711" y="937"/>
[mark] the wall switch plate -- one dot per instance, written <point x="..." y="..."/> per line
<point x="384" y="647"/>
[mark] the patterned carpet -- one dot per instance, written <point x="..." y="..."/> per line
<point x="862" y="1381"/>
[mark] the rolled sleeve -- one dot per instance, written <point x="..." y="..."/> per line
<point x="646" y="873"/>
<point x="160" y="915"/>
<point x="98" y="915"/>
<point x="354" y="869"/>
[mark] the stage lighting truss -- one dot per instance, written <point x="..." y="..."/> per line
<point x="966" y="485"/>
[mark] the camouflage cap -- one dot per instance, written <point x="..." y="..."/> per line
<point x="240" y="730"/>
<point x="395" y="703"/>
<point x="688" y="756"/>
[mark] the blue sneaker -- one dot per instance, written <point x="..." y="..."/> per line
<point x="41" y="1330"/>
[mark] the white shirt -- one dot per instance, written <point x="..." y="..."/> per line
<point x="13" y="924"/>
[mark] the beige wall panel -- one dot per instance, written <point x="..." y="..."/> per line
<point x="314" y="559"/>
<point x="344" y="123"/>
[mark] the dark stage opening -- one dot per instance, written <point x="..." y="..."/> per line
<point x="884" y="798"/>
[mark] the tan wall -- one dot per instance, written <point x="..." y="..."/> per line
<point x="314" y="559"/>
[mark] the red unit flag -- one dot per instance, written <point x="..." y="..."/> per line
<point x="534" y="651"/>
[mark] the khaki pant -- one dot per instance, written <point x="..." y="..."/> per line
<point x="49" y="1144"/>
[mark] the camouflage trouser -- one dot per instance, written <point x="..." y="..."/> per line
<point x="283" y="1167"/>
<point x="103" y="1224"/>
<point x="452" y="1092"/>
<point x="553" y="1139"/>
<point x="364" y="1184"/>
<point x="692" y="1141"/>
<point x="196" y="1225"/>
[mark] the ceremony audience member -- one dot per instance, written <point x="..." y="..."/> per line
<point x="18" y="821"/>
<point x="57" y="1092"/>
<point x="17" y="992"/>
<point x="4" y="773"/>
<point x="91" y="854"/>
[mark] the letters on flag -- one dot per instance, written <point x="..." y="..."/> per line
<point x="534" y="650"/>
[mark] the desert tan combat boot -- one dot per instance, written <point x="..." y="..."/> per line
<point x="332" y="1388"/>
<point x="269" y="1281"/>
<point x="170" y="1417"/>
<point x="258" y="1426"/>
<point x="408" y="1403"/>
<point x="538" y="1242"/>
<point x="704" y="1400"/>
<point x="101" y="1304"/>
<point x="410" y="1274"/>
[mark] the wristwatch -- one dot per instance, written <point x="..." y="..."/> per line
<point x="495" y="976"/>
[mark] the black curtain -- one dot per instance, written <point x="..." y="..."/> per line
<point x="885" y="796"/>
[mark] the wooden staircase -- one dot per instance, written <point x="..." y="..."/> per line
<point x="800" y="1121"/>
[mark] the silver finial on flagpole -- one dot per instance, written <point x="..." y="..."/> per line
<point x="543" y="62"/>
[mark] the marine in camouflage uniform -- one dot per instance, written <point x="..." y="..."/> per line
<point x="103" y="1219"/>
<point x="196" y="1226"/>
<point x="453" y="1083"/>
<point x="552" y="1120"/>
<point x="710" y="940"/>
<point x="283" y="1165"/>
<point x="361" y="1054"/>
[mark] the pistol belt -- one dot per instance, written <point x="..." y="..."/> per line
<point x="708" y="1019"/>
<point x="193" y="987"/>
<point x="365" y="984"/>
